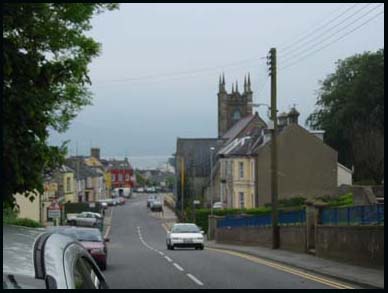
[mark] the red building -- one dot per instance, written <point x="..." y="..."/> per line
<point x="122" y="173"/>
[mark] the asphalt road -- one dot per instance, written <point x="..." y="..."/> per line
<point x="138" y="258"/>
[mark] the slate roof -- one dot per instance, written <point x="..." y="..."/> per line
<point x="243" y="127"/>
<point x="83" y="171"/>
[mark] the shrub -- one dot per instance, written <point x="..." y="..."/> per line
<point x="10" y="217"/>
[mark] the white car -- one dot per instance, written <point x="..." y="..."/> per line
<point x="185" y="235"/>
<point x="218" y="205"/>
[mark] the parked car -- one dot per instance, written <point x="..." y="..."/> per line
<point x="218" y="205"/>
<point x="140" y="190"/>
<point x="91" y="239"/>
<point x="122" y="200"/>
<point x="85" y="219"/>
<point x="185" y="235"/>
<point x="156" y="205"/>
<point x="150" y="199"/>
<point x="36" y="258"/>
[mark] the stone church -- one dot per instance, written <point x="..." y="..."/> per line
<point x="233" y="106"/>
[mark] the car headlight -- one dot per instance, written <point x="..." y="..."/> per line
<point x="97" y="250"/>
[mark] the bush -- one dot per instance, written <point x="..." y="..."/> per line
<point x="10" y="217"/>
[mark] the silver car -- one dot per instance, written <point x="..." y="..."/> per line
<point x="35" y="258"/>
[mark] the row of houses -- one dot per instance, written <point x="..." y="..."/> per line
<point x="80" y="179"/>
<point x="235" y="168"/>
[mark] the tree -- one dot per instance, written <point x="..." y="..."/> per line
<point x="45" y="59"/>
<point x="350" y="108"/>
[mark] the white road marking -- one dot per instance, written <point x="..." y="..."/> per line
<point x="178" y="267"/>
<point x="161" y="253"/>
<point x="169" y="259"/>
<point x="198" y="282"/>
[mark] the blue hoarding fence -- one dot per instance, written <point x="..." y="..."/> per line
<point x="293" y="217"/>
<point x="357" y="215"/>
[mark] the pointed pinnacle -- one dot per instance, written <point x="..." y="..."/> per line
<point x="236" y="86"/>
<point x="223" y="78"/>
<point x="249" y="79"/>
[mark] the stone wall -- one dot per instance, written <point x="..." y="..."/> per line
<point x="245" y="236"/>
<point x="360" y="245"/>
<point x="291" y="237"/>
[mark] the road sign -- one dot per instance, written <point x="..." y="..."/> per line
<point x="54" y="210"/>
<point x="196" y="202"/>
<point x="92" y="205"/>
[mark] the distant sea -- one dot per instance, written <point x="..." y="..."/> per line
<point x="144" y="162"/>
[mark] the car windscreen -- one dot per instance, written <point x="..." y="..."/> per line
<point x="185" y="229"/>
<point x="84" y="235"/>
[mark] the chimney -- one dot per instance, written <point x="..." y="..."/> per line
<point x="293" y="116"/>
<point x="282" y="119"/>
<point x="95" y="152"/>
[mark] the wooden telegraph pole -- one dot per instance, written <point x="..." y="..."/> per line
<point x="274" y="159"/>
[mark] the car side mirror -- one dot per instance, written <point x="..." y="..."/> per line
<point x="106" y="239"/>
<point x="202" y="232"/>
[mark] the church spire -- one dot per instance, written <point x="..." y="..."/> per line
<point x="223" y="78"/>
<point x="221" y="84"/>
<point x="245" y="83"/>
<point x="232" y="88"/>
<point x="236" y="86"/>
<point x="249" y="83"/>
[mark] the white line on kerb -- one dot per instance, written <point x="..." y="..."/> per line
<point x="198" y="282"/>
<point x="169" y="259"/>
<point x="178" y="267"/>
<point x="161" y="253"/>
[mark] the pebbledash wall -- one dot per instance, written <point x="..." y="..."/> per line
<point x="292" y="238"/>
<point x="359" y="244"/>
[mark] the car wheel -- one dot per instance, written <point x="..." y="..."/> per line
<point x="172" y="247"/>
<point x="103" y="266"/>
<point x="202" y="247"/>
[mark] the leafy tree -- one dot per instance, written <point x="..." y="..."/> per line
<point x="45" y="58"/>
<point x="350" y="108"/>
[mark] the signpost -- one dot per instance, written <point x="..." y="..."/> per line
<point x="54" y="211"/>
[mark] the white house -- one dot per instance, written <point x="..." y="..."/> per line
<point x="344" y="175"/>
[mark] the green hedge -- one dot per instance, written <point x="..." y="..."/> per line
<point x="10" y="217"/>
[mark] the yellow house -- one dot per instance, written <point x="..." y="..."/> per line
<point x="237" y="184"/>
<point x="65" y="178"/>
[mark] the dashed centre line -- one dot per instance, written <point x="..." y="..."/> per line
<point x="178" y="267"/>
<point x="198" y="282"/>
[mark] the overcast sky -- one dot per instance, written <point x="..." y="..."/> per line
<point x="152" y="42"/>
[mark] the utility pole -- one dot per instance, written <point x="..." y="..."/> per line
<point x="274" y="163"/>
<point x="211" y="180"/>
<point x="182" y="185"/>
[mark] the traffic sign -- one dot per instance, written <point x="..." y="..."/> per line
<point x="196" y="202"/>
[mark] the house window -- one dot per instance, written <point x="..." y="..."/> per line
<point x="68" y="186"/>
<point x="120" y="177"/>
<point x="126" y="177"/>
<point x="113" y="177"/>
<point x="241" y="197"/>
<point x="241" y="169"/>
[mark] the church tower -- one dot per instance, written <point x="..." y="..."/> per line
<point x="234" y="106"/>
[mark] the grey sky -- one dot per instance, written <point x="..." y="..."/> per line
<point x="144" y="117"/>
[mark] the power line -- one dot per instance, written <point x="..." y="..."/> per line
<point x="302" y="44"/>
<point x="319" y="28"/>
<point x="172" y="74"/>
<point x="334" y="41"/>
<point x="332" y="35"/>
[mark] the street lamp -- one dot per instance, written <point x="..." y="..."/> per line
<point x="211" y="179"/>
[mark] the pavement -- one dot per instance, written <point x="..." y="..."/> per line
<point x="366" y="277"/>
<point x="138" y="258"/>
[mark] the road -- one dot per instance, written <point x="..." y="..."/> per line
<point x="138" y="258"/>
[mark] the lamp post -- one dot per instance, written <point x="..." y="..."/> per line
<point x="211" y="180"/>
